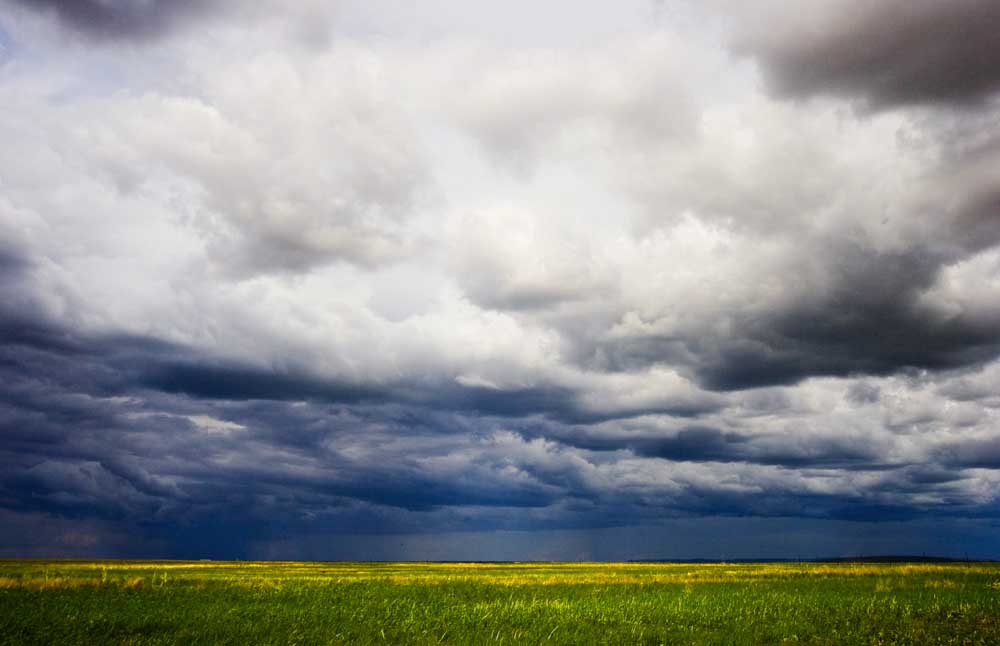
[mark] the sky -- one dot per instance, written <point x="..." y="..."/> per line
<point x="562" y="280"/>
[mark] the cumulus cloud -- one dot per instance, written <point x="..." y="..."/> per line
<point x="327" y="177"/>
<point x="523" y="106"/>
<point x="423" y="277"/>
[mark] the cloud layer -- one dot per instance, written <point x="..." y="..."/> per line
<point x="270" y="277"/>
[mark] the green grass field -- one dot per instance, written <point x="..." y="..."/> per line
<point x="95" y="602"/>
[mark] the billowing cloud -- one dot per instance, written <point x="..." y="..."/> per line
<point x="440" y="276"/>
<point x="887" y="53"/>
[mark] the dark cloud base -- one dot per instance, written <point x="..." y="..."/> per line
<point x="102" y="432"/>
<point x="120" y="19"/>
<point x="693" y="538"/>
<point x="888" y="53"/>
<point x="867" y="319"/>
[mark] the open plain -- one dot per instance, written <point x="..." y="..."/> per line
<point x="172" y="602"/>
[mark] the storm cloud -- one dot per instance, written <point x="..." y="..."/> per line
<point x="887" y="53"/>
<point x="120" y="19"/>
<point x="411" y="284"/>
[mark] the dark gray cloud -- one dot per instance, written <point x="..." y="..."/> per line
<point x="208" y="379"/>
<point x="867" y="317"/>
<point x="971" y="453"/>
<point x="121" y="19"/>
<point x="133" y="431"/>
<point x="888" y="53"/>
<point x="116" y="430"/>
<point x="862" y="393"/>
<point x="869" y="320"/>
<point x="211" y="380"/>
<point x="694" y="443"/>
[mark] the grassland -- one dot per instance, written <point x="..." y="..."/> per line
<point x="69" y="602"/>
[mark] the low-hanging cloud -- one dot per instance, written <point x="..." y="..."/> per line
<point x="887" y="53"/>
<point x="121" y="19"/>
